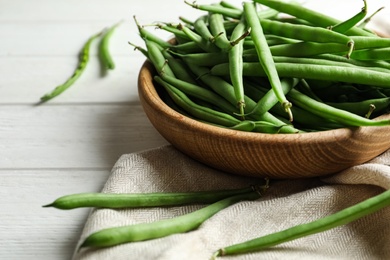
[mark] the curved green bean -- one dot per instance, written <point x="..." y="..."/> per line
<point x="104" y="52"/>
<point x="201" y="112"/>
<point x="146" y="231"/>
<point x="351" y="22"/>
<point x="342" y="217"/>
<point x="84" y="58"/>
<point x="315" y="18"/>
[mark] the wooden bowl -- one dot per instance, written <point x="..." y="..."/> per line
<point x="277" y="156"/>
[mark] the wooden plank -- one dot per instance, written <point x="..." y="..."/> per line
<point x="73" y="136"/>
<point x="29" y="231"/>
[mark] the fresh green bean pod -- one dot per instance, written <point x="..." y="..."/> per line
<point x="202" y="29"/>
<point x="217" y="9"/>
<point x="313" y="17"/>
<point x="140" y="200"/>
<point x="200" y="93"/>
<point x="104" y="52"/>
<point x="146" y="35"/>
<point x="306" y="33"/>
<point x="265" y="57"/>
<point x="203" y="113"/>
<point x="157" y="58"/>
<point x="205" y="45"/>
<point x="235" y="65"/>
<point x="146" y="231"/>
<point x="344" y="26"/>
<point x="84" y="58"/>
<point x="218" y="31"/>
<point x="313" y="71"/>
<point x="332" y="113"/>
<point x="363" y="107"/>
<point x="372" y="54"/>
<point x="342" y="217"/>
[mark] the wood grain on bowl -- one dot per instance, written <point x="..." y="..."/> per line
<point x="282" y="156"/>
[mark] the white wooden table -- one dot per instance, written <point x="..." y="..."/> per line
<point x="69" y="144"/>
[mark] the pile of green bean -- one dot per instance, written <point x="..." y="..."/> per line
<point x="253" y="69"/>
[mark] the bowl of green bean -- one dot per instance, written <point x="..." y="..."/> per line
<point x="252" y="93"/>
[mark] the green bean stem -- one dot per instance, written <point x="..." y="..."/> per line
<point x="84" y="58"/>
<point x="342" y="217"/>
<point x="146" y="231"/>
<point x="265" y="56"/>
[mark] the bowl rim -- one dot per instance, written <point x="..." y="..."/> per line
<point x="146" y="87"/>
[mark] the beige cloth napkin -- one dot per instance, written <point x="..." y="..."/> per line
<point x="286" y="203"/>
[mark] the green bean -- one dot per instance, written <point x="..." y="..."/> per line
<point x="361" y="108"/>
<point x="200" y="93"/>
<point x="202" y="29"/>
<point x="138" y="200"/>
<point x="146" y="231"/>
<point x="218" y="31"/>
<point x="188" y="47"/>
<point x="313" y="17"/>
<point x="259" y="127"/>
<point x="265" y="56"/>
<point x="229" y="5"/>
<point x="351" y="22"/>
<point x="217" y="9"/>
<point x="342" y="217"/>
<point x="173" y="29"/>
<point x="329" y="112"/>
<point x="205" y="45"/>
<point x="157" y="58"/>
<point x="198" y="111"/>
<point x="313" y="71"/>
<point x="145" y="34"/>
<point x="235" y="65"/>
<point x="269" y="100"/>
<point x="377" y="64"/>
<point x="141" y="49"/>
<point x="306" y="33"/>
<point x="83" y="61"/>
<point x="178" y="68"/>
<point x="303" y="117"/>
<point x="374" y="54"/>
<point x="368" y="19"/>
<point x="104" y="52"/>
<point x="362" y="42"/>
<point x="186" y="21"/>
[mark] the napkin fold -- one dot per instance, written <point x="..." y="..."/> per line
<point x="285" y="204"/>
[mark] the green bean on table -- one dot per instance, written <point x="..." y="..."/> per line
<point x="104" y="52"/>
<point x="84" y="58"/>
